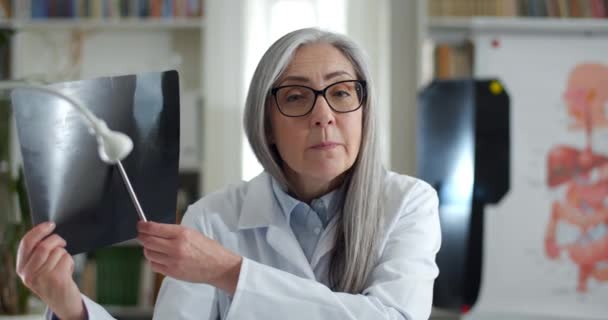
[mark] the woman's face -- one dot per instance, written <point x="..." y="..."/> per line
<point x="320" y="146"/>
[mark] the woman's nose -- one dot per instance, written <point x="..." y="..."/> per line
<point x="322" y="114"/>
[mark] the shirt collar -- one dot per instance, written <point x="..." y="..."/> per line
<point x="289" y="203"/>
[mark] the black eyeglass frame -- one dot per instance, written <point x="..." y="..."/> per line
<point x="322" y="92"/>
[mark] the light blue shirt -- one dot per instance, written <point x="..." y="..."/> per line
<point x="307" y="221"/>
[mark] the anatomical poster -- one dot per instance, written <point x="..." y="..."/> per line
<point x="545" y="247"/>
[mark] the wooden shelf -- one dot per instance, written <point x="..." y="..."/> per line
<point x="107" y="24"/>
<point x="457" y="29"/>
<point x="127" y="312"/>
<point x="23" y="317"/>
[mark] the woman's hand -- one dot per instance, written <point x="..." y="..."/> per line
<point x="45" y="267"/>
<point x="185" y="254"/>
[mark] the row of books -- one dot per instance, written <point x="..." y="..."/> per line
<point x="453" y="61"/>
<point x="100" y="9"/>
<point x="118" y="276"/>
<point x="521" y="8"/>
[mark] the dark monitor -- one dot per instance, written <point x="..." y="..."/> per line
<point x="66" y="180"/>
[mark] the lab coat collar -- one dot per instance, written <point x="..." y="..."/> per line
<point x="259" y="208"/>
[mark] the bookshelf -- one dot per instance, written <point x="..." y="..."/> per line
<point x="458" y="29"/>
<point x="451" y="25"/>
<point x="451" y="39"/>
<point x="144" y="24"/>
<point x="448" y="24"/>
<point x="209" y="52"/>
<point x="64" y="48"/>
<point x="77" y="39"/>
<point x="522" y="8"/>
<point x="101" y="9"/>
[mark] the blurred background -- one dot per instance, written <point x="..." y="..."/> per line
<point x="500" y="104"/>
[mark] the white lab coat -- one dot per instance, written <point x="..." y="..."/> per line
<point x="276" y="279"/>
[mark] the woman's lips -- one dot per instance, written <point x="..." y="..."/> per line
<point x="325" y="145"/>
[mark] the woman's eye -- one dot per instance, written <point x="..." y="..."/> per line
<point x="341" y="94"/>
<point x="294" y="97"/>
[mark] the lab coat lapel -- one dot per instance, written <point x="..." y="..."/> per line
<point x="260" y="209"/>
<point x="284" y="242"/>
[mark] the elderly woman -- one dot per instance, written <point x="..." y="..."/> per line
<point x="324" y="233"/>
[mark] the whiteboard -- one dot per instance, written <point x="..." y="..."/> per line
<point x="518" y="277"/>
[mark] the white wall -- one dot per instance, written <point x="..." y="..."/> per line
<point x="369" y="25"/>
<point x="267" y="21"/>
<point x="223" y="73"/>
<point x="407" y="29"/>
<point x="392" y="33"/>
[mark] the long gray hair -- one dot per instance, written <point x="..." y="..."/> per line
<point x="361" y="216"/>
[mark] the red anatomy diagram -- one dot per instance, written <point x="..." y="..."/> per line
<point x="583" y="176"/>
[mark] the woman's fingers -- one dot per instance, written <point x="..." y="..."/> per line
<point x="30" y="240"/>
<point x="46" y="269"/>
<point x="155" y="243"/>
<point x="156" y="257"/>
<point x="65" y="265"/>
<point x="53" y="259"/>
<point x="161" y="230"/>
<point x="41" y="253"/>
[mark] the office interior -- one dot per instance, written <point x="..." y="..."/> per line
<point x="500" y="105"/>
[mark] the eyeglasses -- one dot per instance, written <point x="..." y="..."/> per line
<point x="342" y="97"/>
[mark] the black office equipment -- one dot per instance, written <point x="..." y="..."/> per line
<point x="463" y="150"/>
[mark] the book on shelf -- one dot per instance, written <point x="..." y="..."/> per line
<point x="102" y="9"/>
<point x="563" y="8"/>
<point x="453" y="61"/>
<point x="519" y="8"/>
<point x="5" y="9"/>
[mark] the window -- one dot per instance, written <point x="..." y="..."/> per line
<point x="285" y="16"/>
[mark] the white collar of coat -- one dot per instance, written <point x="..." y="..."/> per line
<point x="259" y="208"/>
